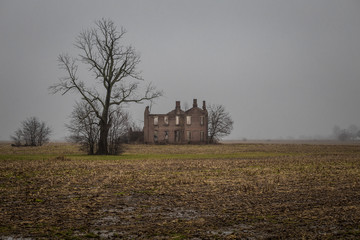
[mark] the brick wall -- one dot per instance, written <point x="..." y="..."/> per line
<point x="177" y="126"/>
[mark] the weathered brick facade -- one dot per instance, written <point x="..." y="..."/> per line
<point x="177" y="126"/>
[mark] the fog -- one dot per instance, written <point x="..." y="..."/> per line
<point x="283" y="69"/>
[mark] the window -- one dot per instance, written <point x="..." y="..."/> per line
<point x="177" y="120"/>
<point x="166" y="120"/>
<point x="188" y="120"/>
<point x="155" y="136"/>
<point x="177" y="136"/>
<point x="156" y="121"/>
<point x="188" y="135"/>
<point x="202" y="120"/>
<point x="166" y="135"/>
<point x="202" y="137"/>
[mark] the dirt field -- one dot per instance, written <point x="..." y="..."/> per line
<point x="229" y="191"/>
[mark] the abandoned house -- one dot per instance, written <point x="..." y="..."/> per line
<point x="177" y="126"/>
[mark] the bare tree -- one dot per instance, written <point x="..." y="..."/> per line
<point x="220" y="123"/>
<point x="43" y="135"/>
<point x="352" y="133"/>
<point x="85" y="130"/>
<point x="115" y="70"/>
<point x="84" y="127"/>
<point x="17" y="137"/>
<point x="118" y="133"/>
<point x="32" y="133"/>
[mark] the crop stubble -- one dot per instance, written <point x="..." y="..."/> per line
<point x="255" y="191"/>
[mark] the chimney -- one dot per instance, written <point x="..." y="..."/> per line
<point x="204" y="105"/>
<point x="195" y="103"/>
<point x="177" y="105"/>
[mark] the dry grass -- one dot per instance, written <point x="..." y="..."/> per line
<point x="257" y="191"/>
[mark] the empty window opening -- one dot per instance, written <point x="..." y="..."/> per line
<point x="188" y="120"/>
<point x="188" y="135"/>
<point x="202" y="137"/>
<point x="177" y="136"/>
<point x="156" y="121"/>
<point x="155" y="136"/>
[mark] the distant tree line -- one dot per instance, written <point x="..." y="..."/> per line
<point x="352" y="133"/>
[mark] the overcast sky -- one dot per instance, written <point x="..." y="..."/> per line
<point x="282" y="68"/>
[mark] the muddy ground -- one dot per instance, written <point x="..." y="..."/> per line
<point x="232" y="191"/>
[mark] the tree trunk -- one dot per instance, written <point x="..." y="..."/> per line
<point x="104" y="126"/>
<point x="103" y="140"/>
<point x="104" y="131"/>
<point x="91" y="148"/>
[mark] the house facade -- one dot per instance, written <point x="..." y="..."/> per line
<point x="177" y="126"/>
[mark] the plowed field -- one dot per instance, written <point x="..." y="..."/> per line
<point x="232" y="191"/>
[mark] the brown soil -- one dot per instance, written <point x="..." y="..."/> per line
<point x="301" y="192"/>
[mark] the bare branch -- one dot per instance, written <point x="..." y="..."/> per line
<point x="32" y="133"/>
<point x="114" y="66"/>
<point x="220" y="122"/>
<point x="127" y="94"/>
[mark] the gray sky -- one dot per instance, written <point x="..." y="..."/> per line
<point x="282" y="68"/>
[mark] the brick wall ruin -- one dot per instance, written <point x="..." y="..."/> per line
<point x="177" y="126"/>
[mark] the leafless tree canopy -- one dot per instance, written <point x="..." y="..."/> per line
<point x="32" y="133"/>
<point x="220" y="123"/>
<point x="118" y="133"/>
<point x="114" y="68"/>
<point x="84" y="128"/>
